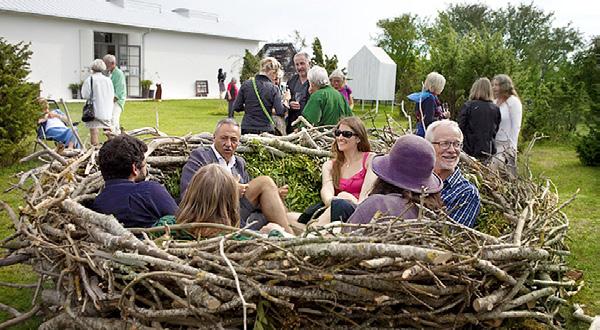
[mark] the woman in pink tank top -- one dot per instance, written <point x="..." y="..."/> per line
<point x="347" y="178"/>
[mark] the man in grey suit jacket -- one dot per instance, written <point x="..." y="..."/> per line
<point x="260" y="194"/>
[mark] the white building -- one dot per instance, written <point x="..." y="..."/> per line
<point x="372" y="75"/>
<point x="175" y="48"/>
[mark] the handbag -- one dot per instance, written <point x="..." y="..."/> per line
<point x="277" y="122"/>
<point x="89" y="113"/>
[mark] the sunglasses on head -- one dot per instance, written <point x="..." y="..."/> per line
<point x="346" y="134"/>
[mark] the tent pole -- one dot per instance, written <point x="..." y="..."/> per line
<point x="362" y="105"/>
<point x="377" y="106"/>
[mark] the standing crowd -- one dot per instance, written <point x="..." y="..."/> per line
<point x="357" y="185"/>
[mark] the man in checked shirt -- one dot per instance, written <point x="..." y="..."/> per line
<point x="460" y="197"/>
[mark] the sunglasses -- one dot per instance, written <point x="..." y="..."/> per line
<point x="346" y="134"/>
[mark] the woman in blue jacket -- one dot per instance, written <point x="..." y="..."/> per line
<point x="428" y="107"/>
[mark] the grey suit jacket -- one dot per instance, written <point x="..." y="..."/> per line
<point x="205" y="156"/>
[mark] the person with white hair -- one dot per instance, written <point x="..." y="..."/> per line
<point x="260" y="99"/>
<point x="428" y="107"/>
<point x="120" y="90"/>
<point x="99" y="89"/>
<point x="326" y="105"/>
<point x="338" y="81"/>
<point x="460" y="197"/>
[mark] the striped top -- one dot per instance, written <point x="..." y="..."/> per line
<point x="461" y="199"/>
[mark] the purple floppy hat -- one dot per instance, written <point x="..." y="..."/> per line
<point x="409" y="165"/>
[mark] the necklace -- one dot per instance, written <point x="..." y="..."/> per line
<point x="349" y="162"/>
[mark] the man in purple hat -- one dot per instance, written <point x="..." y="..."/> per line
<point x="460" y="196"/>
<point x="403" y="176"/>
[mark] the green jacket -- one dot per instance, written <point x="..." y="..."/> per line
<point x="118" y="80"/>
<point x="325" y="107"/>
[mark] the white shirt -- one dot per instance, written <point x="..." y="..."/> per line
<point x="511" y="114"/>
<point x="54" y="122"/>
<point x="222" y="161"/>
<point x="104" y="95"/>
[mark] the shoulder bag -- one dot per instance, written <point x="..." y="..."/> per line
<point x="277" y="122"/>
<point x="89" y="113"/>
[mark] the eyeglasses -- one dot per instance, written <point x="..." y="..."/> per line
<point x="346" y="134"/>
<point x="446" y="144"/>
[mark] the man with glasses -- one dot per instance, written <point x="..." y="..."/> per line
<point x="126" y="195"/>
<point x="460" y="197"/>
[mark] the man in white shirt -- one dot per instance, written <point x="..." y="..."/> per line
<point x="260" y="194"/>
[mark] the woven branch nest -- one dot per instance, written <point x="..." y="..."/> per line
<point x="426" y="272"/>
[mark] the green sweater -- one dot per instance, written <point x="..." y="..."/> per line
<point x="325" y="107"/>
<point x="118" y="80"/>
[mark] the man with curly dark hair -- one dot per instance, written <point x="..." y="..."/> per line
<point x="133" y="201"/>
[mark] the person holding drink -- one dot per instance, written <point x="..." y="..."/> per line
<point x="298" y="86"/>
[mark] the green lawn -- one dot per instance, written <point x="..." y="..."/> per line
<point x="560" y="163"/>
<point x="557" y="161"/>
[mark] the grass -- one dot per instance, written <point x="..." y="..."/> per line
<point x="560" y="163"/>
<point x="554" y="160"/>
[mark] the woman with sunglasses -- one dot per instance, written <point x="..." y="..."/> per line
<point x="347" y="178"/>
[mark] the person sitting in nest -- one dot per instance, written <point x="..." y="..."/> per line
<point x="403" y="177"/>
<point x="461" y="197"/>
<point x="213" y="197"/>
<point x="52" y="125"/>
<point x="347" y="179"/>
<point x="130" y="199"/>
<point x="261" y="201"/>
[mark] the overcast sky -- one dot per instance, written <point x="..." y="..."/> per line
<point x="345" y="26"/>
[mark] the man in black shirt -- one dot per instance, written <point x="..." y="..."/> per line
<point x="298" y="86"/>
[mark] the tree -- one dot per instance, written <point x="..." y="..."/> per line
<point x="298" y="40"/>
<point x="528" y="30"/>
<point x="19" y="108"/>
<point x="250" y="67"/>
<point x="466" y="17"/>
<point x="402" y="40"/>
<point x="588" y="64"/>
<point x="322" y="60"/>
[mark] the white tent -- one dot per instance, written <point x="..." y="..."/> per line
<point x="372" y="75"/>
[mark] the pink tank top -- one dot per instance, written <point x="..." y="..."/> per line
<point x="353" y="184"/>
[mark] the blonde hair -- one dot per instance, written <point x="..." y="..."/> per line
<point x="434" y="82"/>
<point x="211" y="197"/>
<point x="43" y="103"/>
<point x="507" y="88"/>
<point x="268" y="65"/>
<point x="481" y="90"/>
<point x="338" y="157"/>
<point x="337" y="73"/>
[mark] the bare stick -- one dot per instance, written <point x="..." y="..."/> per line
<point x="237" y="280"/>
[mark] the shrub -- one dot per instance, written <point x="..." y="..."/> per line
<point x="145" y="84"/>
<point x="300" y="172"/>
<point x="18" y="105"/>
<point x="588" y="148"/>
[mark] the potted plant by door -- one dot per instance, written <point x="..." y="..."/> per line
<point x="146" y="88"/>
<point x="75" y="88"/>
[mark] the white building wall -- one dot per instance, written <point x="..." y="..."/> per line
<point x="58" y="58"/>
<point x="179" y="59"/>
